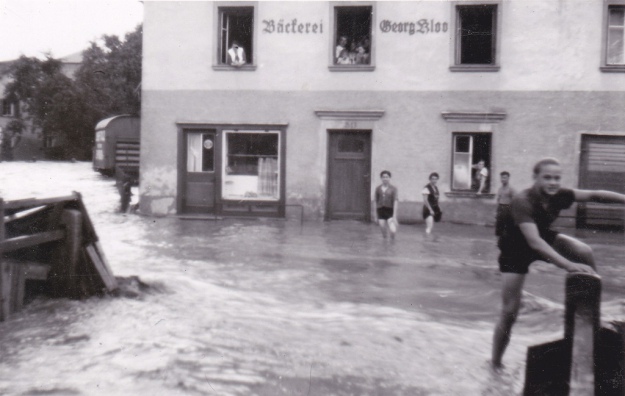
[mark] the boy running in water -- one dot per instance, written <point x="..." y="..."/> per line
<point x="528" y="238"/>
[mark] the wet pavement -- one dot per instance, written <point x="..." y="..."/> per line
<point x="275" y="307"/>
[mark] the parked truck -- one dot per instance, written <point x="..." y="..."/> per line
<point x="117" y="145"/>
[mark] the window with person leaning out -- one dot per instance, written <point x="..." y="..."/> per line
<point x="236" y="55"/>
<point x="480" y="177"/>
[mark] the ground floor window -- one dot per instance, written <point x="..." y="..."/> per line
<point x="251" y="169"/>
<point x="469" y="150"/>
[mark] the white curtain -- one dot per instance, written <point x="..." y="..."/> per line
<point x="268" y="177"/>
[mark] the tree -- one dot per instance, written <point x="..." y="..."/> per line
<point x="110" y="75"/>
<point x="65" y="110"/>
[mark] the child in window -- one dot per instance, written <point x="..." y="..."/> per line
<point x="344" y="58"/>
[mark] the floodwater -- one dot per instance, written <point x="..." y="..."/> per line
<point x="275" y="307"/>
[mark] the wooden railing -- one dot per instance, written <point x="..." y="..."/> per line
<point x="50" y="240"/>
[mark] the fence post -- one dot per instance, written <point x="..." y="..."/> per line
<point x="66" y="279"/>
<point x="5" y="280"/>
<point x="582" y="311"/>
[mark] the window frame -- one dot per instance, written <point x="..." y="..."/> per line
<point x="605" y="67"/>
<point x="351" y="68"/>
<point x="218" y="9"/>
<point x="456" y="49"/>
<point x="473" y="122"/>
<point x="11" y="105"/>
<point x="472" y="160"/>
<point x="225" y="158"/>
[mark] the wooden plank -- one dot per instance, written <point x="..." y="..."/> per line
<point x="17" y="288"/>
<point x="72" y="219"/>
<point x="35" y="271"/>
<point x="109" y="281"/>
<point x="105" y="262"/>
<point x="24" y="213"/>
<point x="32" y="269"/>
<point x="1" y="222"/>
<point x="5" y="290"/>
<point x="24" y="241"/>
<point x="32" y="202"/>
<point x="91" y="236"/>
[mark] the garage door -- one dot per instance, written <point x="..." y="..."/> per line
<point x="602" y="167"/>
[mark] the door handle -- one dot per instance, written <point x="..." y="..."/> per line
<point x="366" y="176"/>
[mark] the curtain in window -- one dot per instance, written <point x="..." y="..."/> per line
<point x="268" y="177"/>
<point x="194" y="152"/>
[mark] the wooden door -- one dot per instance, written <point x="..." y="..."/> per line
<point x="349" y="175"/>
<point x="602" y="167"/>
<point x="200" y="167"/>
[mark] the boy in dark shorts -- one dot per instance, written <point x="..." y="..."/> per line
<point x="386" y="205"/>
<point x="504" y="198"/>
<point x="528" y="238"/>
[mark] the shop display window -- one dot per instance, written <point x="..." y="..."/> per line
<point x="251" y="168"/>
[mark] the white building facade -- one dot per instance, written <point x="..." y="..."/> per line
<point x="332" y="93"/>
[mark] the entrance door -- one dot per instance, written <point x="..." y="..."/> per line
<point x="200" y="176"/>
<point x="349" y="175"/>
<point x="602" y="167"/>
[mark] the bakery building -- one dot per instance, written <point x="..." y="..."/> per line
<point x="263" y="108"/>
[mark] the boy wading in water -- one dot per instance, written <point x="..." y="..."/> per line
<point x="504" y="197"/>
<point x="528" y="238"/>
<point x="431" y="211"/>
<point x="386" y="205"/>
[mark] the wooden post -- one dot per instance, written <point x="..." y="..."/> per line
<point x="5" y="280"/>
<point x="583" y="299"/>
<point x="65" y="280"/>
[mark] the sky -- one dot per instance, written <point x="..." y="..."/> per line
<point x="62" y="27"/>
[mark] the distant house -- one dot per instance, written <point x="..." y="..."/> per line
<point x="31" y="144"/>
<point x="331" y="93"/>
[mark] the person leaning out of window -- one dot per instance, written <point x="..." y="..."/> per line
<point x="236" y="55"/>
<point x="481" y="177"/>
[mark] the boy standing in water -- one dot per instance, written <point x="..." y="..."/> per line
<point x="386" y="205"/>
<point x="504" y="197"/>
<point x="528" y="238"/>
<point x="431" y="211"/>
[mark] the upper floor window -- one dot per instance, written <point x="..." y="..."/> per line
<point x="9" y="108"/>
<point x="351" y="46"/>
<point x="236" y="36"/>
<point x="476" y="38"/>
<point x="614" y="59"/>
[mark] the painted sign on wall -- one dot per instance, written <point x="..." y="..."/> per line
<point x="271" y="26"/>
<point x="423" y="26"/>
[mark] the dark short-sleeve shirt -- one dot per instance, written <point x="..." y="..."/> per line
<point x="527" y="207"/>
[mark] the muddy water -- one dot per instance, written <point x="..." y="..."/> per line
<point x="249" y="307"/>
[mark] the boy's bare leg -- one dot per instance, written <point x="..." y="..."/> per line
<point x="574" y="250"/>
<point x="382" y="224"/>
<point x="392" y="227"/>
<point x="429" y="224"/>
<point x="512" y="288"/>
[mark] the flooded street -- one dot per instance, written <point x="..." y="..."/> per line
<point x="275" y="307"/>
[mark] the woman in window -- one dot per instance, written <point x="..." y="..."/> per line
<point x="386" y="205"/>
<point x="431" y="211"/>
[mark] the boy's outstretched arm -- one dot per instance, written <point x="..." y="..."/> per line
<point x="600" y="196"/>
